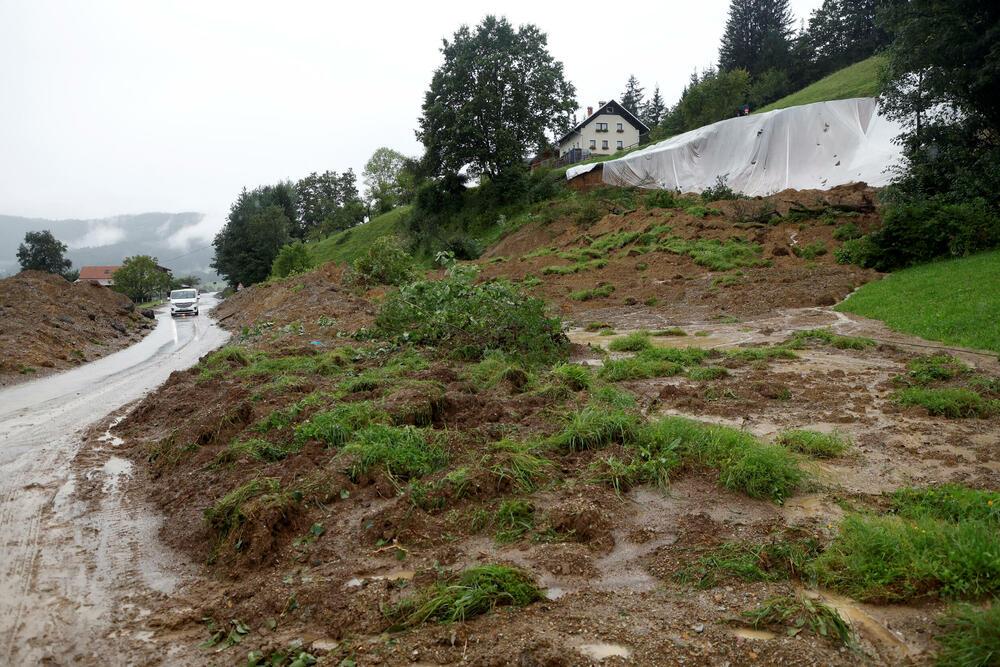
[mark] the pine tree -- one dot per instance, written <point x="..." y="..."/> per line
<point x="632" y="98"/>
<point x="653" y="110"/>
<point x="758" y="36"/>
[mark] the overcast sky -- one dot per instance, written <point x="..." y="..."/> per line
<point x="109" y="108"/>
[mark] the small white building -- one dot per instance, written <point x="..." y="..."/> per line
<point x="603" y="132"/>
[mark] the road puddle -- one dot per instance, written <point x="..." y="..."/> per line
<point x="603" y="650"/>
<point x="801" y="509"/>
<point x="392" y="576"/>
<point x="864" y="623"/>
<point x="554" y="592"/>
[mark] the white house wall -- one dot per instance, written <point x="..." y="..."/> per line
<point x="629" y="136"/>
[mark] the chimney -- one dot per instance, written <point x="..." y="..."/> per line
<point x="590" y="111"/>
<point x="601" y="103"/>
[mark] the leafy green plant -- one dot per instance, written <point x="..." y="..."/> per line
<point x="292" y="260"/>
<point x="847" y="232"/>
<point x="386" y="262"/>
<point x="948" y="502"/>
<point x="930" y="368"/>
<point x="802" y="613"/>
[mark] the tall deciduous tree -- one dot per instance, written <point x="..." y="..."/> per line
<point x="757" y="37"/>
<point x="43" y="252"/>
<point x="943" y="80"/>
<point x="385" y="183"/>
<point x="632" y="98"/>
<point x="140" y="279"/>
<point x="327" y="202"/>
<point x="254" y="234"/>
<point x="492" y="101"/>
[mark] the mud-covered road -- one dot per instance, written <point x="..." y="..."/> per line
<point x="77" y="554"/>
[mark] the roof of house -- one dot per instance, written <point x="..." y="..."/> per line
<point x="97" y="272"/>
<point x="611" y="107"/>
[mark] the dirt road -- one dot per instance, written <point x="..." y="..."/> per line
<point x="76" y="553"/>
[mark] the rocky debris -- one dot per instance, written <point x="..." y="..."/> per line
<point x="148" y="313"/>
<point x="49" y="324"/>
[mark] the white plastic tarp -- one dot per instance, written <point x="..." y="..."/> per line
<point x="814" y="146"/>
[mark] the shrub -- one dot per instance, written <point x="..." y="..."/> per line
<point x="665" y="199"/>
<point x="847" y="232"/>
<point x="720" y="191"/>
<point x="810" y="251"/>
<point x="861" y="251"/>
<point x="291" y="260"/>
<point x="385" y="262"/>
<point x="471" y="319"/>
<point x="697" y="211"/>
<point x="476" y="591"/>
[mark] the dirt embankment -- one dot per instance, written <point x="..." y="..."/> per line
<point x="49" y="324"/>
<point x="302" y="541"/>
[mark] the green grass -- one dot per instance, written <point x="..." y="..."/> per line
<point x="575" y="377"/>
<point x="403" y="452"/>
<point x="744" y="463"/>
<point x="225" y="520"/>
<point x="857" y="80"/>
<point x="929" y="368"/>
<point x="638" y="368"/>
<point x="892" y="558"/>
<point x="517" y="464"/>
<point x="798" y="613"/>
<point x="352" y="243"/>
<point x="814" y="443"/>
<point x="759" y="353"/>
<point x="704" y="373"/>
<point x="633" y="342"/>
<point x="948" y="502"/>
<point x="257" y="449"/>
<point x="595" y="427"/>
<point x="954" y="403"/>
<point x="827" y="337"/>
<point x="672" y="331"/>
<point x="595" y="293"/>
<point x="513" y="519"/>
<point x="335" y="427"/>
<point x="780" y="559"/>
<point x="947" y="301"/>
<point x="477" y="590"/>
<point x="715" y="254"/>
<point x="970" y="637"/>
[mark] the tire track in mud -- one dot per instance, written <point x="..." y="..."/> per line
<point x="77" y="556"/>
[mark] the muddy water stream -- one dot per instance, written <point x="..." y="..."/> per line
<point x="76" y="553"/>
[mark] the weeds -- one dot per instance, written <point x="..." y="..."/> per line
<point x="715" y="254"/>
<point x="335" y="427"/>
<point x="257" y="449"/>
<point x="477" y="590"/>
<point x="513" y="519"/>
<point x="595" y="427"/>
<point x="518" y="464"/>
<point x="802" y="613"/>
<point x="930" y="368"/>
<point x="638" y="368"/>
<point x="809" y="251"/>
<point x="575" y="377"/>
<point x="953" y="403"/>
<point x="226" y="519"/>
<point x="403" y="451"/>
<point x="781" y="559"/>
<point x="814" y="443"/>
<point x="970" y="637"/>
<point x="596" y="293"/>
<point x="633" y="342"/>
<point x="948" y="502"/>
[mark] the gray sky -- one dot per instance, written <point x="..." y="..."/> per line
<point x="109" y="108"/>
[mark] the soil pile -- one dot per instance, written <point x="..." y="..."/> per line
<point x="48" y="324"/>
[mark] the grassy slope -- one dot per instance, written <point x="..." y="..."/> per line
<point x="955" y="301"/>
<point x="345" y="246"/>
<point x="858" y="80"/>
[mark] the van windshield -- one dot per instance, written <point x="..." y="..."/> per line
<point x="183" y="294"/>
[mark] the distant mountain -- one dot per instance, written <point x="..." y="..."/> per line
<point x="177" y="240"/>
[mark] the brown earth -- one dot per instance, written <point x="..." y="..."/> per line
<point x="49" y="324"/>
<point x="325" y="567"/>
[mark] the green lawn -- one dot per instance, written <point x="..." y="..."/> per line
<point x="955" y="301"/>
<point x="345" y="246"/>
<point x="858" y="80"/>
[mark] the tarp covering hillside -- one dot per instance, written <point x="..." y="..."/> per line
<point x="813" y="146"/>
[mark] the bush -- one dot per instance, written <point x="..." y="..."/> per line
<point x="386" y="262"/>
<point x="291" y="260"/>
<point x="720" y="191"/>
<point x="470" y="319"/>
<point x="810" y="251"/>
<point x="924" y="229"/>
<point x="847" y="232"/>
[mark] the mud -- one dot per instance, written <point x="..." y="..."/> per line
<point x="48" y="324"/>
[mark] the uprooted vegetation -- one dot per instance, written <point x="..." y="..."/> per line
<point x="442" y="470"/>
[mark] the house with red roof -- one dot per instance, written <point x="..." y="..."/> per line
<point x="102" y="275"/>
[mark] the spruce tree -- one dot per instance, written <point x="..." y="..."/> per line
<point x="758" y="36"/>
<point x="632" y="98"/>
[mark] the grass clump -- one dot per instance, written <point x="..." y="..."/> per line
<point x="513" y="519"/>
<point x="672" y="331"/>
<point x="516" y="464"/>
<point x="595" y="427"/>
<point x="932" y="367"/>
<point x="633" y="342"/>
<point x="596" y="326"/>
<point x="230" y="354"/>
<point x="901" y="558"/>
<point x="594" y="293"/>
<point x="744" y="463"/>
<point x="638" y="368"/>
<point x="802" y="613"/>
<point x="257" y="449"/>
<point x="847" y="232"/>
<point x="781" y="559"/>
<point x="704" y="373"/>
<point x="575" y="377"/>
<point x="760" y="353"/>
<point x="616" y="397"/>
<point x="810" y="250"/>
<point x="335" y="427"/>
<point x="227" y="518"/>
<point x="954" y="403"/>
<point x="494" y="369"/>
<point x="715" y="254"/>
<point x="814" y="443"/>
<point x="475" y="591"/>
<point x="403" y="451"/>
<point x="970" y="636"/>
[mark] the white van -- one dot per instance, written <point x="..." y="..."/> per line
<point x="184" y="302"/>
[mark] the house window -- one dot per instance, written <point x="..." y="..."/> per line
<point x="604" y="144"/>
<point x="593" y="143"/>
<point x="620" y="144"/>
<point x="620" y="128"/>
<point x="602" y="127"/>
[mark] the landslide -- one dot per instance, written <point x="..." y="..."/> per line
<point x="326" y="474"/>
<point x="49" y="324"/>
<point x="626" y="249"/>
